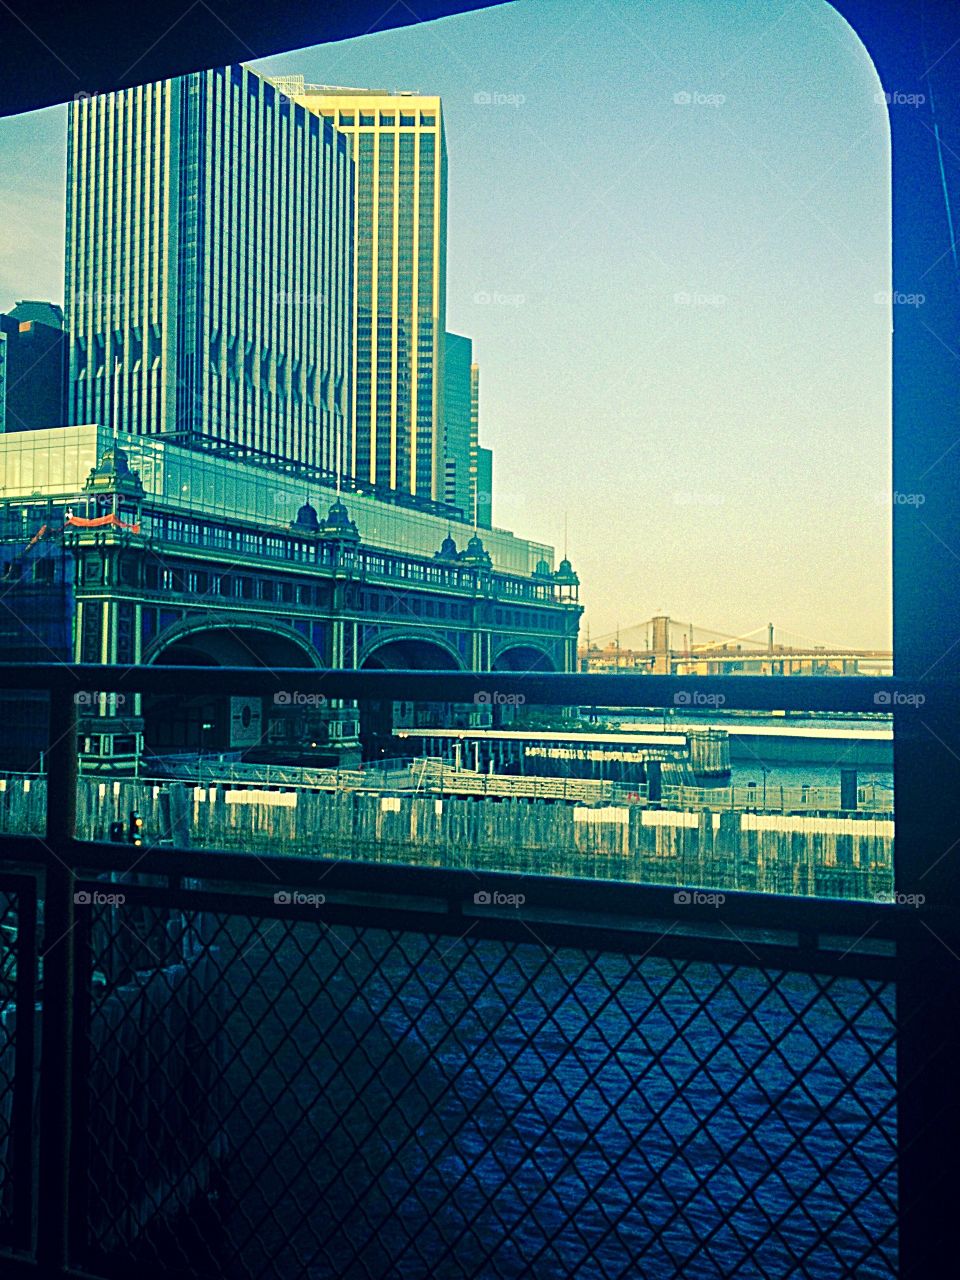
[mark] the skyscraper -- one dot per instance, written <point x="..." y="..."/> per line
<point x="474" y="438"/>
<point x="31" y="367"/>
<point x="400" y="153"/>
<point x="457" y="417"/>
<point x="485" y="488"/>
<point x="209" y="267"/>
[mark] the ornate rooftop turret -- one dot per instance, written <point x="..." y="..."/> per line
<point x="543" y="570"/>
<point x="113" y="474"/>
<point x="307" y="520"/>
<point x="475" y="553"/>
<point x="448" y="550"/>
<point x="339" y="525"/>
<point x="568" y="581"/>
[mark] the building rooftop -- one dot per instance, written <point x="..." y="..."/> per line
<point x="55" y="464"/>
<point x="30" y="311"/>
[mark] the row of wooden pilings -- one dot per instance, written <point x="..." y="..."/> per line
<point x="848" y="857"/>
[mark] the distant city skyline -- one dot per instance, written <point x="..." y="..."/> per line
<point x="671" y="253"/>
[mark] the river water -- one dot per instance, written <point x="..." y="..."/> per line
<point x="471" y="1108"/>
<point x="743" y="772"/>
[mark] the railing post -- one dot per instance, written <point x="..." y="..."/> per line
<point x="58" y="984"/>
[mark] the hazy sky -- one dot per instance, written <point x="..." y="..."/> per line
<point x="668" y="231"/>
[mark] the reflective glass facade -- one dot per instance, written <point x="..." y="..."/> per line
<point x="209" y="267"/>
<point x="36" y="466"/>
<point x="457" y="421"/>
<point x="484" y="488"/>
<point x="400" y="282"/>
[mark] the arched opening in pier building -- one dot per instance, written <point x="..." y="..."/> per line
<point x="411" y="654"/>
<point x="378" y="719"/>
<point x="523" y="658"/>
<point x="213" y="724"/>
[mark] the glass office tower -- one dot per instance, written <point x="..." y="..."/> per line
<point x="400" y="153"/>
<point x="209" y="268"/>
<point x="457" y="415"/>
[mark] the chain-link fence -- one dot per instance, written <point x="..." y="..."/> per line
<point x="273" y="1096"/>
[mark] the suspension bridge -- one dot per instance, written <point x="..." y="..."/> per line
<point x="662" y="645"/>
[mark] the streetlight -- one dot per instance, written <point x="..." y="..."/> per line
<point x="765" y="770"/>
<point x="204" y="726"/>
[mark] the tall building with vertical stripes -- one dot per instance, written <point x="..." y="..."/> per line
<point x="209" y="268"/>
<point x="457" y="418"/>
<point x="400" y="281"/>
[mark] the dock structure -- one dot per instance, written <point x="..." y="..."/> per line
<point x="597" y="831"/>
<point x="693" y="752"/>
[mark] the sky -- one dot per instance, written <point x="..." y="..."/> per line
<point x="669" y="239"/>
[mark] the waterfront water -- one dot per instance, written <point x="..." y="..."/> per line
<point x="743" y="772"/>
<point x="467" y="1108"/>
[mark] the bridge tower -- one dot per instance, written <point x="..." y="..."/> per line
<point x="661" y="645"/>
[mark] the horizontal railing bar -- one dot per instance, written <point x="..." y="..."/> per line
<point x="784" y="950"/>
<point x="453" y="886"/>
<point x="804" y="693"/>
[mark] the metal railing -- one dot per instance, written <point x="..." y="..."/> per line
<point x="271" y="1066"/>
